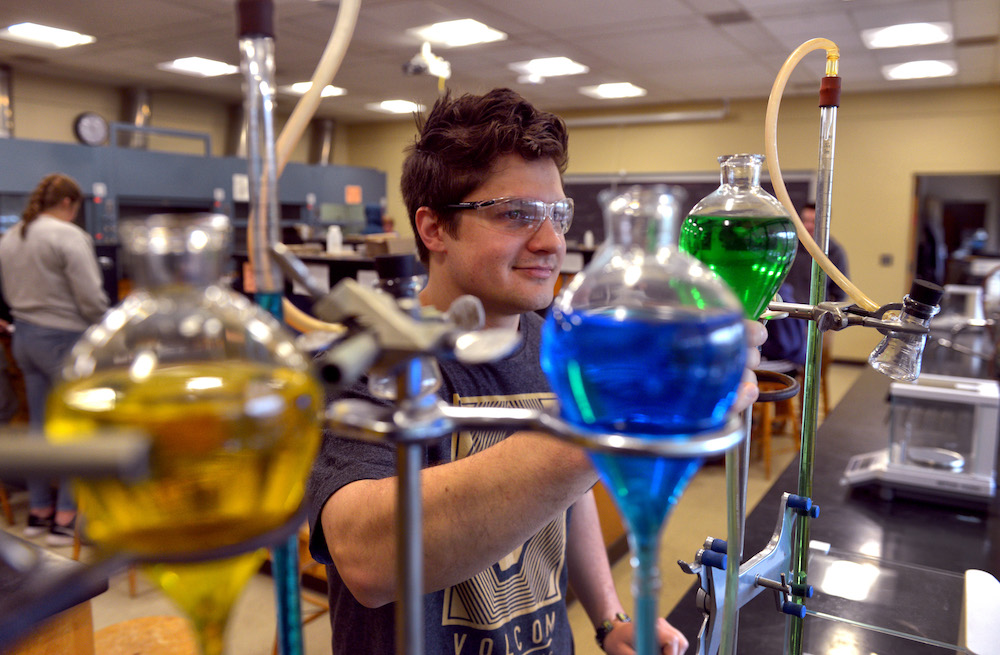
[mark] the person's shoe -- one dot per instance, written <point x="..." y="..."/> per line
<point x="38" y="525"/>
<point x="61" y="535"/>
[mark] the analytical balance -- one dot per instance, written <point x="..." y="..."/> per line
<point x="942" y="442"/>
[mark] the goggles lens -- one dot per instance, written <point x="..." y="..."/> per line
<point x="522" y="215"/>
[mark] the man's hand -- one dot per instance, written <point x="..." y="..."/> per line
<point x="4" y="326"/>
<point x="756" y="336"/>
<point x="621" y="640"/>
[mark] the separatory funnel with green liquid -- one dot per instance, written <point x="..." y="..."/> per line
<point x="743" y="233"/>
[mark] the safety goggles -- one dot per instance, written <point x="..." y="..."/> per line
<point x="521" y="215"/>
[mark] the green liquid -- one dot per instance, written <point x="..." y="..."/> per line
<point x="751" y="253"/>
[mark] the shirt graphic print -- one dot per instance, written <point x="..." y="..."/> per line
<point x="509" y="599"/>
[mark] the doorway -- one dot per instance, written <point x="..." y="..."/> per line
<point x="957" y="227"/>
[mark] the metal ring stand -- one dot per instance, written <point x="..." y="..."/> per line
<point x="424" y="418"/>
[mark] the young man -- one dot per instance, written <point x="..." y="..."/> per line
<point x="509" y="519"/>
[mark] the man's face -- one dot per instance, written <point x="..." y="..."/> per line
<point x="510" y="273"/>
<point x="808" y="216"/>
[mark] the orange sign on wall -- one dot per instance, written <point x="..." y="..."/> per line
<point x="352" y="194"/>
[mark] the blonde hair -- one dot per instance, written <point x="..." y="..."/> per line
<point x="51" y="191"/>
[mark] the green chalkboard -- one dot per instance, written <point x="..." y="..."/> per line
<point x="588" y="215"/>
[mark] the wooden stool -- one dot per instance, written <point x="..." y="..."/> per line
<point x="21" y="417"/>
<point x="770" y="413"/>
<point x="8" y="511"/>
<point x="147" y="635"/>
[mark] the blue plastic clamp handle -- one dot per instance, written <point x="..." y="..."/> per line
<point x="800" y="502"/>
<point x="719" y="546"/>
<point x="802" y="590"/>
<point x="713" y="559"/>
<point x="788" y="607"/>
<point x="814" y="512"/>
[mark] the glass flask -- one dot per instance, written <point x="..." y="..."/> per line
<point x="399" y="277"/>
<point x="743" y="233"/>
<point x="645" y="342"/>
<point x="230" y="404"/>
<point x="898" y="355"/>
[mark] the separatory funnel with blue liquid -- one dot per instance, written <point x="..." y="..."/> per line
<point x="647" y="344"/>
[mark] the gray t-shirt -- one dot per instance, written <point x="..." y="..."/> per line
<point x="518" y="605"/>
<point x="51" y="277"/>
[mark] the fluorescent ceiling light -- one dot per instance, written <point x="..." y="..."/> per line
<point x="548" y="67"/>
<point x="45" y="36"/>
<point x="199" y="66"/>
<point x="300" y="88"/>
<point x="913" y="70"/>
<point x="907" y="34"/>
<point x="611" y="90"/>
<point x="395" y="107"/>
<point x="456" y="33"/>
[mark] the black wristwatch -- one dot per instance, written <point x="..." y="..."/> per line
<point x="607" y="625"/>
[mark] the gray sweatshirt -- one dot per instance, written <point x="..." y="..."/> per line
<point x="51" y="278"/>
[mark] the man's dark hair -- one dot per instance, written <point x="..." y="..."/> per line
<point x="460" y="142"/>
<point x="809" y="205"/>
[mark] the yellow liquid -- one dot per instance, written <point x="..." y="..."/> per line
<point x="206" y="591"/>
<point x="232" y="445"/>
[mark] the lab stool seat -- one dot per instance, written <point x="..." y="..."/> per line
<point x="147" y="635"/>
<point x="770" y="415"/>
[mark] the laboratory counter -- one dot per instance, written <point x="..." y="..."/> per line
<point x="900" y="561"/>
<point x="65" y="623"/>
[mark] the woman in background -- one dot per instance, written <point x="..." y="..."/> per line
<point x="52" y="282"/>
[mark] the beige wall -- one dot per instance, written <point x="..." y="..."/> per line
<point x="44" y="109"/>
<point x="883" y="141"/>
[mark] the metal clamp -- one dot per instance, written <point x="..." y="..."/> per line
<point x="833" y="316"/>
<point x="763" y="571"/>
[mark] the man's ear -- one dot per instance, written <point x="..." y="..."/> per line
<point x="430" y="229"/>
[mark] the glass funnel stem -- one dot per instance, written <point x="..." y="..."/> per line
<point x="645" y="490"/>
<point x="645" y="590"/>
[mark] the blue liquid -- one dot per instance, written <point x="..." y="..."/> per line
<point x="645" y="489"/>
<point x="649" y="373"/>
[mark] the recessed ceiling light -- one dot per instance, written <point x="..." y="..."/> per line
<point x="913" y="70"/>
<point x="300" y="88"/>
<point x="199" y="67"/>
<point x="548" y="67"/>
<point x="611" y="90"/>
<point x="907" y="34"/>
<point x="395" y="107"/>
<point x="456" y="33"/>
<point x="45" y="36"/>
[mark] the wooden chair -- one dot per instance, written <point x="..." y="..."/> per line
<point x="20" y="417"/>
<point x="8" y="511"/>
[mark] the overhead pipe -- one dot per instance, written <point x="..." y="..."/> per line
<point x="321" y="145"/>
<point x="137" y="111"/>
<point x="6" y="108"/>
<point x="236" y="132"/>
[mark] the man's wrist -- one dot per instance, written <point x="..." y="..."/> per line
<point x="607" y="625"/>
